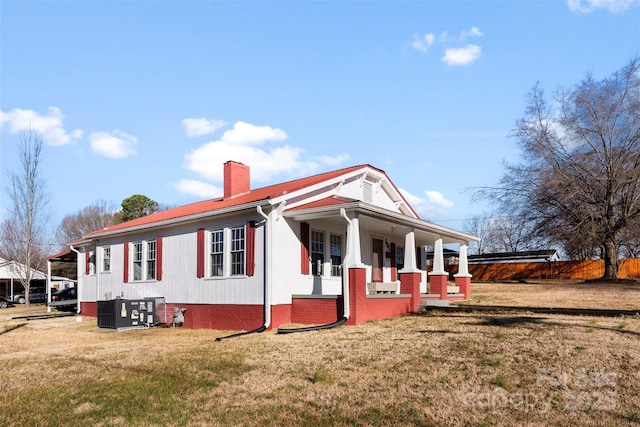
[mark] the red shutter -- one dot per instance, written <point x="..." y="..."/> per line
<point x="394" y="262"/>
<point x="126" y="262"/>
<point x="87" y="262"/>
<point x="200" y="254"/>
<point x="304" y="248"/>
<point x="250" y="248"/>
<point x="159" y="258"/>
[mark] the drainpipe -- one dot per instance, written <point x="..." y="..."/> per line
<point x="345" y="289"/>
<point x="78" y="287"/>
<point x="266" y="273"/>
<point x="266" y="254"/>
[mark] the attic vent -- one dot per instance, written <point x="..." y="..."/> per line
<point x="368" y="192"/>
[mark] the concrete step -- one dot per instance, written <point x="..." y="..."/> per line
<point x="434" y="303"/>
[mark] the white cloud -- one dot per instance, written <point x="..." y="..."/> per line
<point x="246" y="133"/>
<point x="50" y="125"/>
<point x="473" y="32"/>
<point x="201" y="126"/>
<point x="423" y="43"/>
<point x="588" y="6"/>
<point x="335" y="160"/>
<point x="436" y="198"/>
<point x="456" y="55"/>
<point x="198" y="188"/>
<point x="207" y="160"/>
<point x="257" y="147"/>
<point x="435" y="204"/>
<point x="462" y="55"/>
<point x="115" y="145"/>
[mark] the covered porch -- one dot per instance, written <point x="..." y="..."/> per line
<point x="384" y="266"/>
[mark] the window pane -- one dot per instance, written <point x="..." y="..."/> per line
<point x="137" y="261"/>
<point x="217" y="248"/>
<point x="151" y="260"/>
<point x="106" y="259"/>
<point x="399" y="257"/>
<point x="317" y="252"/>
<point x="336" y="254"/>
<point x="237" y="251"/>
<point x="237" y="263"/>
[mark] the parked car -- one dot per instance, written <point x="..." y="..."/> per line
<point x="4" y="303"/>
<point x="66" y="296"/>
<point x="35" y="295"/>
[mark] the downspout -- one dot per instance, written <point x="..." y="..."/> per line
<point x="345" y="290"/>
<point x="266" y="274"/>
<point x="77" y="282"/>
<point x="345" y="276"/>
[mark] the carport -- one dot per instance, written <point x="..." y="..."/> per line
<point x="67" y="256"/>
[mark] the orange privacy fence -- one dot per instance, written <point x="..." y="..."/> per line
<point x="590" y="269"/>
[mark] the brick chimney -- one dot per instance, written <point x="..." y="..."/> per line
<point x="236" y="179"/>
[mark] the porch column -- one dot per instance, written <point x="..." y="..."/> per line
<point x="438" y="277"/>
<point x="463" y="278"/>
<point x="354" y="276"/>
<point x="357" y="292"/>
<point x="410" y="264"/>
<point x="353" y="256"/>
<point x="410" y="275"/>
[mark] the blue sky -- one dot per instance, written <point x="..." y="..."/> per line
<point x="152" y="97"/>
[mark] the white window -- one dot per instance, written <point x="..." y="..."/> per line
<point x="91" y="262"/>
<point x="151" y="260"/>
<point x="106" y="259"/>
<point x="144" y="260"/>
<point x="237" y="251"/>
<point x="227" y="258"/>
<point x="335" y="250"/>
<point x="317" y="252"/>
<point x="399" y="257"/>
<point x="137" y="261"/>
<point x="217" y="253"/>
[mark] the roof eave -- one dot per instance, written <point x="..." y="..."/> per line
<point x="171" y="221"/>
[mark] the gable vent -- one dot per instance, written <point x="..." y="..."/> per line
<point x="367" y="188"/>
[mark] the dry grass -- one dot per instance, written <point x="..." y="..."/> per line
<point x="428" y="369"/>
<point x="559" y="294"/>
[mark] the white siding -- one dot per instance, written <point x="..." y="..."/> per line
<point x="179" y="283"/>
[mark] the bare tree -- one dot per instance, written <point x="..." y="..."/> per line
<point x="478" y="225"/>
<point x="23" y="233"/>
<point x="501" y="234"/>
<point x="96" y="216"/>
<point x="579" y="180"/>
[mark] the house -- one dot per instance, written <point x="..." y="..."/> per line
<point x="341" y="245"/>
<point x="546" y="255"/>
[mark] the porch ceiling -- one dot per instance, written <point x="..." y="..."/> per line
<point x="383" y="222"/>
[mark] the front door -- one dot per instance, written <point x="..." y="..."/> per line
<point x="377" y="259"/>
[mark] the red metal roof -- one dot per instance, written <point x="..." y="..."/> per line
<point x="256" y="195"/>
